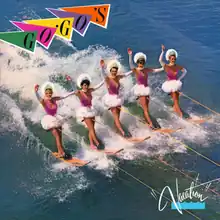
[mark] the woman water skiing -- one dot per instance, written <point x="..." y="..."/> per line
<point x="141" y="89"/>
<point x="112" y="100"/>
<point x="86" y="112"/>
<point x="51" y="121"/>
<point x="173" y="85"/>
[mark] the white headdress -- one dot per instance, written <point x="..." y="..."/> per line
<point x="113" y="63"/>
<point x="83" y="77"/>
<point x="47" y="85"/>
<point x="139" y="55"/>
<point x="171" y="52"/>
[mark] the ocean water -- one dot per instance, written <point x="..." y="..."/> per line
<point x="34" y="185"/>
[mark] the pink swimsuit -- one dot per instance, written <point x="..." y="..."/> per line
<point x="113" y="87"/>
<point x="48" y="109"/>
<point x="171" y="74"/>
<point x="86" y="100"/>
<point x="142" y="78"/>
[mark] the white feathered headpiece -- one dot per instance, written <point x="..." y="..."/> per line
<point x="83" y="77"/>
<point x="138" y="56"/>
<point x="47" y="85"/>
<point x="113" y="63"/>
<point x="171" y="52"/>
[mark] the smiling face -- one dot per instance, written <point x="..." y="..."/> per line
<point x="85" y="85"/>
<point x="140" y="63"/>
<point x="48" y="93"/>
<point x="114" y="71"/>
<point x="172" y="59"/>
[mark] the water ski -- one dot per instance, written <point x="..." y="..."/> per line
<point x="156" y="128"/>
<point x="159" y="129"/>
<point x="167" y="130"/>
<point x="72" y="160"/>
<point x="188" y="118"/>
<point x="198" y="121"/>
<point x="137" y="140"/>
<point x="109" y="151"/>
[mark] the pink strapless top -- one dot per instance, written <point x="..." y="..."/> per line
<point x="172" y="75"/>
<point x="142" y="78"/>
<point x="113" y="87"/>
<point x="86" y="100"/>
<point x="48" y="109"/>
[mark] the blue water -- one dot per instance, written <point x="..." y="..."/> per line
<point x="30" y="190"/>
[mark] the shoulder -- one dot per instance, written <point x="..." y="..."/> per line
<point x="134" y="70"/>
<point x="179" y="67"/>
<point x="119" y="77"/>
<point x="42" y="101"/>
<point x="78" y="92"/>
<point x="90" y="90"/>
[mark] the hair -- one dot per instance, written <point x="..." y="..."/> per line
<point x="85" y="81"/>
<point x="114" y="67"/>
<point x="49" y="89"/>
<point x="138" y="61"/>
<point x="172" y="55"/>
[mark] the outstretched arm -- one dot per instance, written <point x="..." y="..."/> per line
<point x="97" y="86"/>
<point x="184" y="71"/>
<point x="58" y="98"/>
<point x="126" y="74"/>
<point x="162" y="63"/>
<point x="157" y="70"/>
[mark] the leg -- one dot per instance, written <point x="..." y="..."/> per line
<point x="90" y="123"/>
<point x="116" y="115"/>
<point x="144" y="102"/>
<point x="176" y="107"/>
<point x="57" y="134"/>
<point x="94" y="133"/>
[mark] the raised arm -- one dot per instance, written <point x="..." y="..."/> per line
<point x="69" y="79"/>
<point x="162" y="63"/>
<point x="131" y="64"/>
<point x="184" y="72"/>
<point x="103" y="68"/>
<point x="36" y="87"/>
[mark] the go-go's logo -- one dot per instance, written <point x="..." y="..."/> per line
<point x="68" y="19"/>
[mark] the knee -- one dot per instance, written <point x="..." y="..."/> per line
<point x="91" y="129"/>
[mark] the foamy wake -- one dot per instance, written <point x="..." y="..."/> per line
<point x="20" y="73"/>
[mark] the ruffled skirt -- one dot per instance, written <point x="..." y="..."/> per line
<point x="172" y="86"/>
<point x="85" y="112"/>
<point x="141" y="90"/>
<point x="111" y="101"/>
<point x="48" y="121"/>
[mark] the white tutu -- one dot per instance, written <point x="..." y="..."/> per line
<point x="49" y="121"/>
<point x="85" y="112"/>
<point x="141" y="90"/>
<point x="111" y="101"/>
<point x="172" y="86"/>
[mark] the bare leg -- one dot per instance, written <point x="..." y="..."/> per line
<point x="116" y="115"/>
<point x="176" y="107"/>
<point x="57" y="134"/>
<point x="90" y="123"/>
<point x="144" y="102"/>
